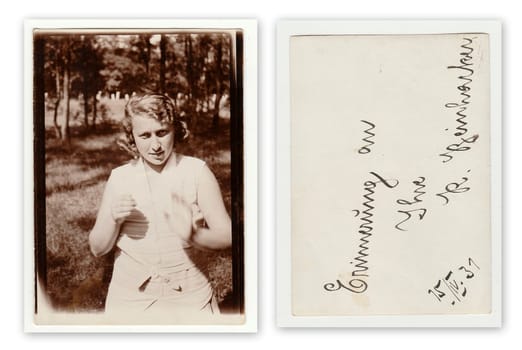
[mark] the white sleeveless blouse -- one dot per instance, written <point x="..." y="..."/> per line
<point x="152" y="261"/>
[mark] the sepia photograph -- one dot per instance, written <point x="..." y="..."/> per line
<point x="139" y="148"/>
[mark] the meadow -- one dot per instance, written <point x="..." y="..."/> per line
<point x="75" y="177"/>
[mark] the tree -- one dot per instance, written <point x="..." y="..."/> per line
<point x="57" y="66"/>
<point x="220" y="76"/>
<point x="141" y="50"/>
<point x="213" y="64"/>
<point x="193" y="68"/>
<point x="53" y="69"/>
<point x="190" y="76"/>
<point x="88" y="64"/>
<point x="66" y="55"/>
<point x="163" y="59"/>
<point x="122" y="69"/>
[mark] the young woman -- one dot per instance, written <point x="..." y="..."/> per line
<point x="155" y="209"/>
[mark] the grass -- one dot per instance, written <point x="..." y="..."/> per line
<point x="75" y="179"/>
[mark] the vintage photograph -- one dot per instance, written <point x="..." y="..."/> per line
<point x="139" y="175"/>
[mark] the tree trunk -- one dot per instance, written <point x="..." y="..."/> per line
<point x="215" y="117"/>
<point x="163" y="59"/>
<point x="219" y="88"/>
<point x="86" y="103"/>
<point x="85" y="83"/>
<point x="57" y="129"/>
<point x="66" y="90"/>
<point x="190" y="80"/>
<point x="57" y="104"/>
<point x="147" y="56"/>
<point x="94" y="111"/>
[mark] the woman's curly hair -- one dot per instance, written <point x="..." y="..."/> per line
<point x="157" y="106"/>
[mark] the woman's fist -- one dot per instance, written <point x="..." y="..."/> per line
<point x="122" y="207"/>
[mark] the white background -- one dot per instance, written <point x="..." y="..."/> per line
<point x="11" y="85"/>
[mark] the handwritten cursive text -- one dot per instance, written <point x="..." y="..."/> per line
<point x="464" y="89"/>
<point x="368" y="142"/>
<point x="359" y="285"/>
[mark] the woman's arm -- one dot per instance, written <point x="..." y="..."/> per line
<point x="218" y="234"/>
<point x="112" y="213"/>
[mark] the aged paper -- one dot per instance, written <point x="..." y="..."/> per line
<point x="390" y="174"/>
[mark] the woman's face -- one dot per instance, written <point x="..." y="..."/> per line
<point x="154" y="140"/>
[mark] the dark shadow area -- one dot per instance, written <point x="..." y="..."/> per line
<point x="230" y="304"/>
<point x="85" y="223"/>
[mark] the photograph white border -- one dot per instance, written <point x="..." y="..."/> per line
<point x="288" y="28"/>
<point x="249" y="28"/>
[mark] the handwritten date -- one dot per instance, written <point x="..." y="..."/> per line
<point x="452" y="285"/>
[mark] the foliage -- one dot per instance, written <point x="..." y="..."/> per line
<point x="193" y="68"/>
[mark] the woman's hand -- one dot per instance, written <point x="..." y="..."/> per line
<point x="114" y="209"/>
<point x="198" y="219"/>
<point x="122" y="207"/>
